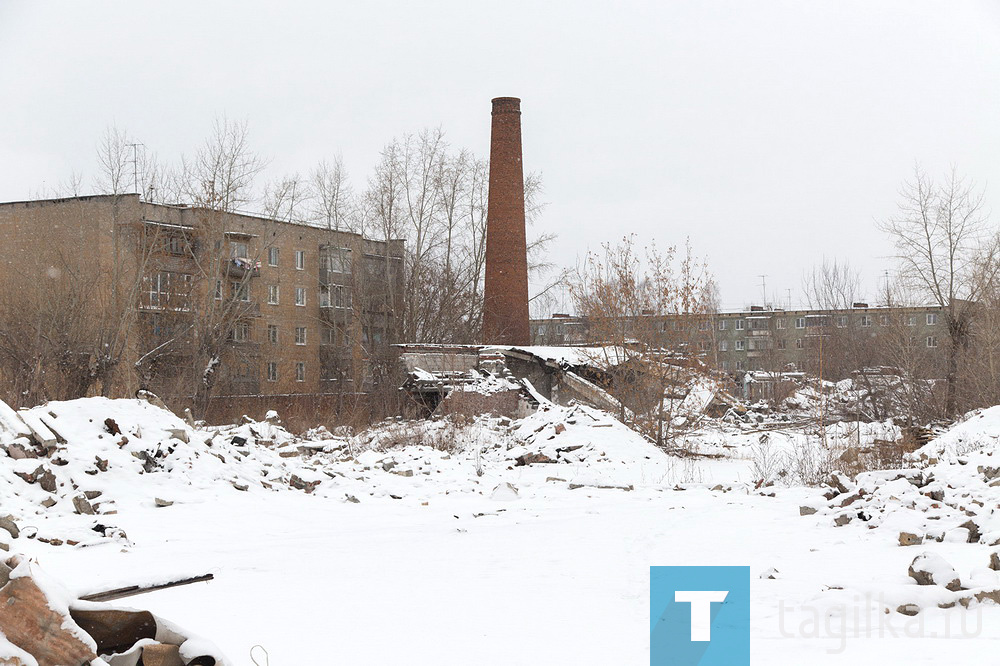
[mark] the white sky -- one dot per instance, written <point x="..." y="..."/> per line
<point x="772" y="133"/>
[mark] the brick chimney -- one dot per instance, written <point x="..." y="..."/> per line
<point x="505" y="310"/>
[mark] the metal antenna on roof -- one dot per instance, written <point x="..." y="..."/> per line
<point x="135" y="165"/>
<point x="763" y="289"/>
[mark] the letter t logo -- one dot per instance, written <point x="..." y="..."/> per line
<point x="701" y="611"/>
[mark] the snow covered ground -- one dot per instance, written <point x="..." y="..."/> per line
<point x="407" y="545"/>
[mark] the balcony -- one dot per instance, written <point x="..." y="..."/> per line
<point x="240" y="268"/>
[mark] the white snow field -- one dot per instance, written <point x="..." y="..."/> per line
<point x="380" y="549"/>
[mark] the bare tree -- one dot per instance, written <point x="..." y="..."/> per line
<point x="333" y="197"/>
<point x="946" y="253"/>
<point x="650" y="312"/>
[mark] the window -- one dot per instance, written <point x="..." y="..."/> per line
<point x="300" y="335"/>
<point x="866" y="320"/>
<point x="782" y="344"/>
<point x="723" y="324"/>
<point x="740" y="365"/>
<point x="800" y="322"/>
<point x="327" y="335"/>
<point x="239" y="291"/>
<point x="757" y="344"/>
<point x="272" y="334"/>
<point x="300" y="260"/>
<point x="798" y="343"/>
<point x="272" y="371"/>
<point x="241" y="332"/>
<point x="300" y="372"/>
<point x="300" y="295"/>
<point x="337" y="260"/>
<point x="741" y="345"/>
<point x="703" y="325"/>
<point x="842" y="321"/>
<point x="238" y="250"/>
<point x="781" y="323"/>
<point x="167" y="291"/>
<point x="342" y="298"/>
<point x="760" y="324"/>
<point x="272" y="256"/>
<point x="324" y="298"/>
<point x="723" y="345"/>
<point x="739" y="324"/>
<point x="932" y="318"/>
<point x="725" y="366"/>
<point x="932" y="341"/>
<point x="272" y="294"/>
<point x="705" y="345"/>
<point x="912" y="321"/>
<point x="883" y="320"/>
<point x="176" y="244"/>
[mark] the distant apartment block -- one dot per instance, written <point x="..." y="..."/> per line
<point x="290" y="308"/>
<point x="773" y="339"/>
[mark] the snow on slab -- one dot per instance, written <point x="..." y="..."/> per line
<point x="572" y="356"/>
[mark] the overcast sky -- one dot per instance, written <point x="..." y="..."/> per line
<point x="772" y="133"/>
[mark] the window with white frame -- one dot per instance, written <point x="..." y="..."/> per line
<point x="324" y="299"/>
<point x="272" y="294"/>
<point x="241" y="332"/>
<point x="272" y="371"/>
<point x="841" y="321"/>
<point x="781" y="323"/>
<point x="798" y="343"/>
<point x="932" y="318"/>
<point x="723" y="345"/>
<point x="300" y="295"/>
<point x="166" y="290"/>
<point x="300" y="260"/>
<point x="723" y="324"/>
<point x="705" y="345"/>
<point x="800" y="322"/>
<point x="866" y="321"/>
<point x="342" y="298"/>
<point x="238" y="250"/>
<point x="741" y="345"/>
<point x="911" y="320"/>
<point x="272" y="256"/>
<point x="883" y="320"/>
<point x="300" y="335"/>
<point x="272" y="333"/>
<point x="740" y="365"/>
<point x="739" y="324"/>
<point x="300" y="372"/>
<point x="782" y="344"/>
<point x="932" y="341"/>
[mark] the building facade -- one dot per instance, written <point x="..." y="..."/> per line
<point x="831" y="342"/>
<point x="251" y="305"/>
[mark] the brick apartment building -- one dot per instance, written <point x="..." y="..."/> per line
<point x="294" y="308"/>
<point x="772" y="339"/>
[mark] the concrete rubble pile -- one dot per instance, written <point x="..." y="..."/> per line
<point x="43" y="624"/>
<point x="949" y="495"/>
<point x="75" y="463"/>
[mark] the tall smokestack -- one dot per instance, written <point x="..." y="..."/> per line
<point x="505" y="310"/>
